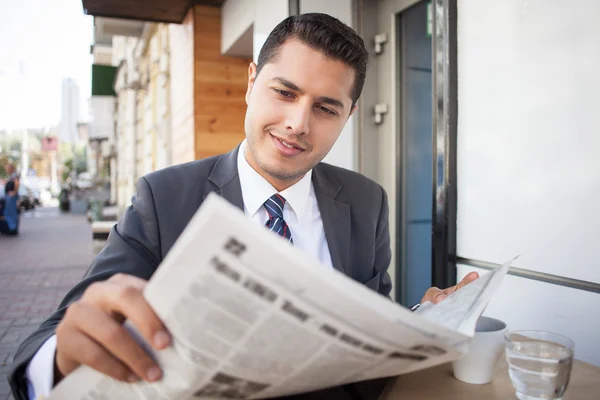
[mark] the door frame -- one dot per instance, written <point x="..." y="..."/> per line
<point x="379" y="154"/>
<point x="445" y="128"/>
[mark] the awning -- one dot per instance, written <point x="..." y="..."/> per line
<point x="170" y="11"/>
<point x="103" y="77"/>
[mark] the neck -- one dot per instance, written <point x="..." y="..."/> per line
<point x="278" y="184"/>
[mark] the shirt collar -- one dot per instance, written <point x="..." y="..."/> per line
<point x="256" y="190"/>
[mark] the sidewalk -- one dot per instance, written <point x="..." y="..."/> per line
<point x="37" y="268"/>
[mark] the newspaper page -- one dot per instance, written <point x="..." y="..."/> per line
<point x="461" y="309"/>
<point x="253" y="317"/>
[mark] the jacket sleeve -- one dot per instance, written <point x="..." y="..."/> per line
<point x="383" y="251"/>
<point x="133" y="247"/>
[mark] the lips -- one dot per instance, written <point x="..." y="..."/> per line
<point x="289" y="145"/>
<point x="286" y="148"/>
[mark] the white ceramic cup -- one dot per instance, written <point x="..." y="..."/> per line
<point x="477" y="366"/>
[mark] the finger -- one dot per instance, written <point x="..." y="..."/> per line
<point x="465" y="281"/>
<point x="439" y="296"/>
<point x="115" y="339"/>
<point x="434" y="295"/>
<point x="64" y="364"/>
<point x="75" y="348"/>
<point x="470" y="277"/>
<point x="129" y="280"/>
<point x="129" y="301"/>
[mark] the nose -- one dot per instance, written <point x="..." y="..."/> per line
<point x="298" y="118"/>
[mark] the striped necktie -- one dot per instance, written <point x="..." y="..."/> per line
<point x="274" y="206"/>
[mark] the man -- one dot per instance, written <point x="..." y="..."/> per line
<point x="309" y="76"/>
<point x="9" y="209"/>
<point x="11" y="187"/>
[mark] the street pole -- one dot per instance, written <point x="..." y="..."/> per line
<point x="73" y="167"/>
<point x="24" y="155"/>
<point x="24" y="135"/>
<point x="53" y="173"/>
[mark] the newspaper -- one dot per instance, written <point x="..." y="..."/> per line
<point x="252" y="317"/>
<point x="461" y="310"/>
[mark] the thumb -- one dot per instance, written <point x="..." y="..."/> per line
<point x="470" y="277"/>
<point x="466" y="280"/>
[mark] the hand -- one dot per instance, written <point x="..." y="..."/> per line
<point x="435" y="295"/>
<point x="91" y="332"/>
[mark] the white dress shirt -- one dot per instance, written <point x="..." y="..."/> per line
<point x="300" y="212"/>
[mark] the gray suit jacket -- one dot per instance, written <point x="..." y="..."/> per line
<point x="353" y="208"/>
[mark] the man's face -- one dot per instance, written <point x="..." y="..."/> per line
<point x="297" y="107"/>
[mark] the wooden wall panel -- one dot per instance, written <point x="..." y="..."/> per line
<point x="218" y="73"/>
<point x="219" y="88"/>
<point x="181" y="44"/>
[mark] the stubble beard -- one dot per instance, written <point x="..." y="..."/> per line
<point x="274" y="171"/>
<point x="277" y="173"/>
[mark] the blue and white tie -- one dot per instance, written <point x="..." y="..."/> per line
<point x="274" y="206"/>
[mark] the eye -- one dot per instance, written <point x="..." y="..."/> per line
<point x="284" y="93"/>
<point x="327" y="110"/>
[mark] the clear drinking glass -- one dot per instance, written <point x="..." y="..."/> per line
<point x="539" y="364"/>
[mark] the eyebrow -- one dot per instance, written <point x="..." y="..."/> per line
<point x="322" y="99"/>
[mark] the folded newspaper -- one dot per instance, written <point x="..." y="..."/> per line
<point x="253" y="317"/>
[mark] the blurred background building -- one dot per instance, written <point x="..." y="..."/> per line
<point x="70" y="112"/>
<point x="161" y="67"/>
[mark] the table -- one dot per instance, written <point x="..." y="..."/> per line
<point x="439" y="383"/>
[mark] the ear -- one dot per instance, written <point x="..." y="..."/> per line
<point x="251" y="80"/>
<point x="353" y="110"/>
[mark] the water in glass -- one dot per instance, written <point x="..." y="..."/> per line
<point x="539" y="367"/>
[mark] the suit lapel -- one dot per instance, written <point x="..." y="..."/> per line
<point x="225" y="177"/>
<point x="334" y="214"/>
<point x="336" y="218"/>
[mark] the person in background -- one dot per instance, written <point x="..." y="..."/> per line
<point x="9" y="214"/>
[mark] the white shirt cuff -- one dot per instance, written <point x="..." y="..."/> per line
<point x="40" y="371"/>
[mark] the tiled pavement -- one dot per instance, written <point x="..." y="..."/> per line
<point x="37" y="268"/>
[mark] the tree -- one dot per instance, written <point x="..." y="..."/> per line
<point x="15" y="146"/>
<point x="5" y="159"/>
<point x="68" y="166"/>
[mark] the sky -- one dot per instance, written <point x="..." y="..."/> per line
<point x="51" y="39"/>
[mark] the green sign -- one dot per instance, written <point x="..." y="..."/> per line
<point x="103" y="77"/>
<point x="429" y="19"/>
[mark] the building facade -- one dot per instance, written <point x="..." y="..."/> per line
<point x="70" y="110"/>
<point x="178" y="98"/>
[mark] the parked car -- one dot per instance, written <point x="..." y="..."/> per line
<point x="26" y="198"/>
<point x="37" y="197"/>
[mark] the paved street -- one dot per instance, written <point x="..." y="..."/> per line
<point x="37" y="268"/>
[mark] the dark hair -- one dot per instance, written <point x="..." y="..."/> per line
<point x="326" y="34"/>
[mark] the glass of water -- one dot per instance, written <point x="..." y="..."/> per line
<point x="539" y="364"/>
